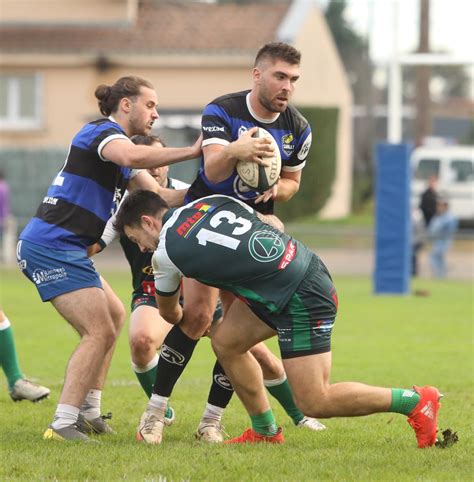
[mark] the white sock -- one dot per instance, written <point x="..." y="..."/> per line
<point x="212" y="413"/>
<point x="158" y="403"/>
<point x="4" y="324"/>
<point x="90" y="408"/>
<point x="65" y="415"/>
<point x="275" y="382"/>
<point x="147" y="367"/>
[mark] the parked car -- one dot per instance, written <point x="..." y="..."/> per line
<point x="454" y="168"/>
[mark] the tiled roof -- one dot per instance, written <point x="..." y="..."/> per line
<point x="161" y="27"/>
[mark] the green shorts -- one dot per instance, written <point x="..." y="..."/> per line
<point x="305" y="325"/>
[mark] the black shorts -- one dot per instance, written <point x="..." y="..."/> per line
<point x="305" y="325"/>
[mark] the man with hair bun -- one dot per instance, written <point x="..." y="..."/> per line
<point x="52" y="251"/>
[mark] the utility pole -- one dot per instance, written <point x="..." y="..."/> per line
<point x="423" y="122"/>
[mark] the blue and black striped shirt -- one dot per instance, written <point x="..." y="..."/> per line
<point x="83" y="195"/>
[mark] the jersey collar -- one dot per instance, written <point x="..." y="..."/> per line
<point x="167" y="215"/>
<point x="255" y="116"/>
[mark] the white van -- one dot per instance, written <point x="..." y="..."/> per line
<point x="454" y="167"/>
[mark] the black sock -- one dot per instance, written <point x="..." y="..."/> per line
<point x="175" y="353"/>
<point x="221" y="389"/>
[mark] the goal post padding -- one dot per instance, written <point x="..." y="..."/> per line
<point x="392" y="219"/>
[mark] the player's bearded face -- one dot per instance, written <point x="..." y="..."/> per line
<point x="277" y="85"/>
<point x="143" y="113"/>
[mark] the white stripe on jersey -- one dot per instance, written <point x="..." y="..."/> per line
<point x="107" y="140"/>
<point x="215" y="140"/>
<point x="166" y="273"/>
<point x="293" y="168"/>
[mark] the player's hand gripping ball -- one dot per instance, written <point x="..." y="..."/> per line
<point x="257" y="177"/>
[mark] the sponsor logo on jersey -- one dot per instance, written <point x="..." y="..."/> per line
<point x="148" y="270"/>
<point x="287" y="144"/>
<point x="148" y="287"/>
<point x="116" y="200"/>
<point x="288" y="256"/>
<point x="50" y="200"/>
<point x="266" y="246"/>
<point x="47" y="276"/>
<point x="303" y="152"/>
<point x="172" y="356"/>
<point x="242" y="191"/>
<point x="213" y="129"/>
<point x="223" y="381"/>
<point x="203" y="209"/>
<point x="58" y="180"/>
<point x="242" y="130"/>
<point x="21" y="262"/>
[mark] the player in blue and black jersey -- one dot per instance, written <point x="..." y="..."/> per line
<point x="231" y="116"/>
<point x="52" y="252"/>
<point x="227" y="127"/>
<point x="283" y="289"/>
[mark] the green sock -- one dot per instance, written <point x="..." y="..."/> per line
<point x="146" y="375"/>
<point x="403" y="401"/>
<point x="282" y="392"/>
<point x="264" y="423"/>
<point x="8" y="357"/>
<point x="147" y="379"/>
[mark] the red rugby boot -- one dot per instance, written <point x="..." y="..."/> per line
<point x="424" y="416"/>
<point x="252" y="437"/>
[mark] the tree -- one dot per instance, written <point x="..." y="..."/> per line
<point x="353" y="49"/>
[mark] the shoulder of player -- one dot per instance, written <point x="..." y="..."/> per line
<point x="294" y="117"/>
<point x="229" y="101"/>
<point x="99" y="127"/>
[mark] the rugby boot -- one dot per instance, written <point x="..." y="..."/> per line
<point x="424" y="416"/>
<point x="70" y="432"/>
<point x="151" y="427"/>
<point x="311" y="424"/>
<point x="96" y="426"/>
<point x="210" y="431"/>
<point x="25" y="389"/>
<point x="251" y="437"/>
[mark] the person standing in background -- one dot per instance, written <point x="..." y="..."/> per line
<point x="428" y="199"/>
<point x="441" y="230"/>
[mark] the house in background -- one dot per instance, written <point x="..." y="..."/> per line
<point x="54" y="53"/>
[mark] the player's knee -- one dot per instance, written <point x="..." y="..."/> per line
<point x="141" y="345"/>
<point x="118" y="314"/>
<point x="316" y="407"/>
<point x="272" y="367"/>
<point x="224" y="347"/>
<point x="196" y="322"/>
<point x="103" y="334"/>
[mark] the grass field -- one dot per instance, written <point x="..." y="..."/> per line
<point x="389" y="341"/>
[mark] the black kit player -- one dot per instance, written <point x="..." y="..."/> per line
<point x="227" y="127"/>
<point x="283" y="289"/>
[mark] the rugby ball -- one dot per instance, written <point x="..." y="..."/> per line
<point x="257" y="177"/>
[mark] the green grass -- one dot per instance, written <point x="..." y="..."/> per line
<point x="389" y="341"/>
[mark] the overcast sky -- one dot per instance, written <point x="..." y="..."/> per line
<point x="452" y="25"/>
